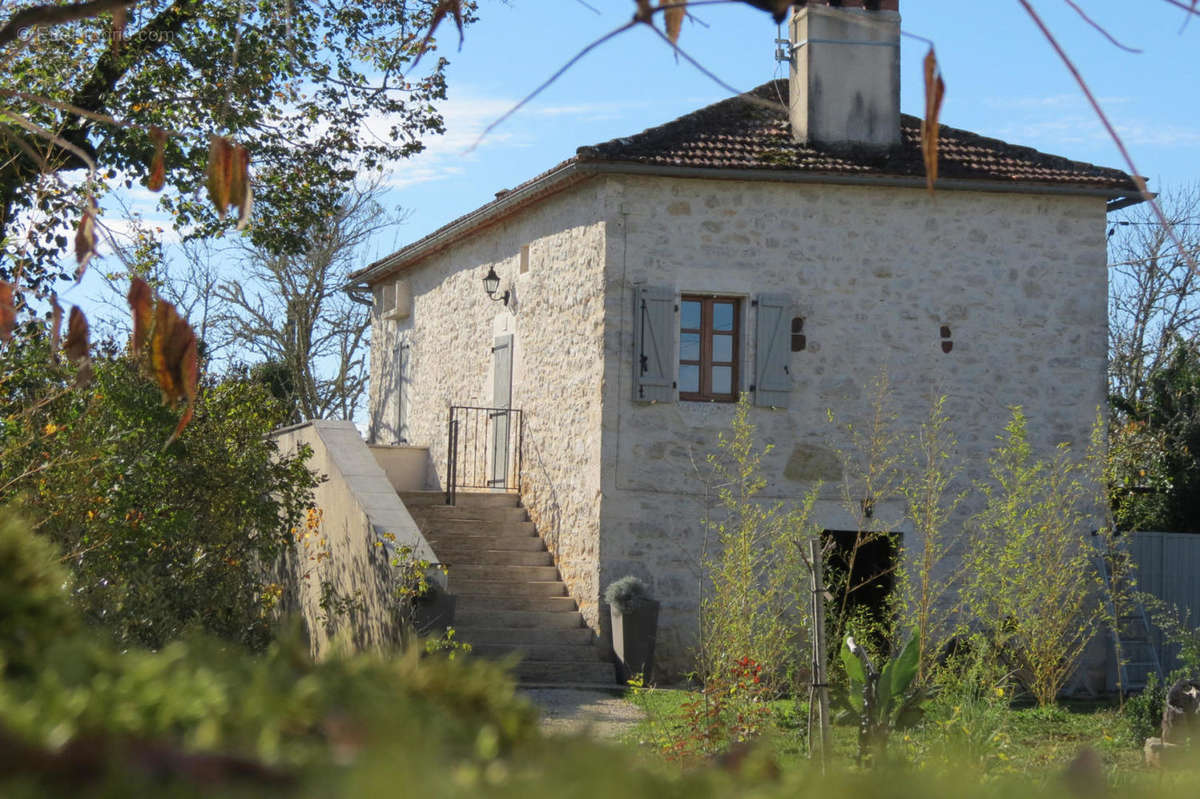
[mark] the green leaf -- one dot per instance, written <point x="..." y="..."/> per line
<point x="905" y="666"/>
<point x="854" y="668"/>
<point x="912" y="710"/>
<point x="883" y="690"/>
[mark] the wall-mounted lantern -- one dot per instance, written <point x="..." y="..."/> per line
<point x="491" y="284"/>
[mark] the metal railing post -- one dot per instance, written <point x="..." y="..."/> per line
<point x="520" y="447"/>
<point x="477" y="449"/>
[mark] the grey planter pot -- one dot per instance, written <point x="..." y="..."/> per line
<point x="633" y="637"/>
<point x="434" y="612"/>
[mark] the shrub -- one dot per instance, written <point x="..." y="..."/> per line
<point x="1144" y="711"/>
<point x="1031" y="575"/>
<point x="158" y="539"/>
<point x="627" y="594"/>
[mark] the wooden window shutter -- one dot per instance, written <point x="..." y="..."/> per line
<point x="772" y="354"/>
<point x="654" y="333"/>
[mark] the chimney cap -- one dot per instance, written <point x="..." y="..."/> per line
<point x="869" y="5"/>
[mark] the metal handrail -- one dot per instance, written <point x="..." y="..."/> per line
<point x="483" y="449"/>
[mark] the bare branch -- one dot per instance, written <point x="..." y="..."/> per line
<point x="1192" y="8"/>
<point x="1112" y="132"/>
<point x="83" y="112"/>
<point x="56" y="140"/>
<point x="550" y="80"/>
<point x="1100" y="28"/>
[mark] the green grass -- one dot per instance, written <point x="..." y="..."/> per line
<point x="990" y="740"/>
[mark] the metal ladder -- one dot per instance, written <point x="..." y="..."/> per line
<point x="1133" y="641"/>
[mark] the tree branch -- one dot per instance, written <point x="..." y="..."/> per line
<point x="49" y="15"/>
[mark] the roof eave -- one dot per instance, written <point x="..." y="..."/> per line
<point x="1114" y="194"/>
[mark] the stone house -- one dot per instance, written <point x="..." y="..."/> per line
<point x="782" y="244"/>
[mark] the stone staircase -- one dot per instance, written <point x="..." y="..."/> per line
<point x="510" y="597"/>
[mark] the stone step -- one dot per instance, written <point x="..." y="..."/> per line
<point x="526" y="636"/>
<point x="592" y="673"/>
<point x="466" y="587"/>
<point x="423" y="513"/>
<point x="472" y="499"/>
<point x="465" y="527"/>
<point x="522" y="543"/>
<point x="546" y="653"/>
<point x="456" y="556"/>
<point x="518" y="619"/>
<point x="547" y="604"/>
<point x="504" y="573"/>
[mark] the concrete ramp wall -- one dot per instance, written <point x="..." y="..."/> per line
<point x="341" y="577"/>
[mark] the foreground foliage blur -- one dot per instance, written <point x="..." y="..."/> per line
<point x="203" y="718"/>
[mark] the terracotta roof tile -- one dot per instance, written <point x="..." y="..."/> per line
<point x="736" y="134"/>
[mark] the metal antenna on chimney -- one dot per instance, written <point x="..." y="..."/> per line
<point x="783" y="46"/>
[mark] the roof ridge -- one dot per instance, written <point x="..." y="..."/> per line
<point x="739" y="132"/>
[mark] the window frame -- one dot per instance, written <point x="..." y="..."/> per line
<point x="706" y="332"/>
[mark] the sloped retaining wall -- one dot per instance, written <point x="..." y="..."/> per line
<point x="340" y="578"/>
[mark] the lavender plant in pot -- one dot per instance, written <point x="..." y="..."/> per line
<point x="634" y="625"/>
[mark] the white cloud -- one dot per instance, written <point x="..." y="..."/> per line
<point x="1087" y="129"/>
<point x="1053" y="101"/>
<point x="467" y="116"/>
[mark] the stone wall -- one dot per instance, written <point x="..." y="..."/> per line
<point x="555" y="315"/>
<point x="1020" y="280"/>
<point x="340" y="576"/>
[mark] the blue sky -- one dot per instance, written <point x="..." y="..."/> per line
<point x="1003" y="80"/>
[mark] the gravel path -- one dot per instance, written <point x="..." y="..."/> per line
<point x="590" y="711"/>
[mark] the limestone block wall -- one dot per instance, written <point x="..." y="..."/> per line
<point x="555" y="315"/>
<point x="1020" y="280"/>
<point x="340" y="575"/>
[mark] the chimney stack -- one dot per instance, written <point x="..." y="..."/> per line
<point x="845" y="77"/>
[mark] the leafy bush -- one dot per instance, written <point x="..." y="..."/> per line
<point x="754" y="569"/>
<point x="159" y="540"/>
<point x="627" y="594"/>
<point x="1144" y="711"/>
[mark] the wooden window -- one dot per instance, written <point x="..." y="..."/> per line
<point x="709" y="348"/>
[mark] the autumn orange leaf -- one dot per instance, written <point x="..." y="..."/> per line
<point x="78" y="345"/>
<point x="935" y="92"/>
<point x="8" y="312"/>
<point x="85" y="238"/>
<point x="240" y="194"/>
<point x="189" y="375"/>
<point x="220" y="166"/>
<point x="56" y="314"/>
<point x="443" y="8"/>
<point x="175" y="358"/>
<point x="78" y="339"/>
<point x="174" y="352"/>
<point x="165" y="319"/>
<point x="158" y="169"/>
<point x="675" y="11"/>
<point x="139" y="305"/>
